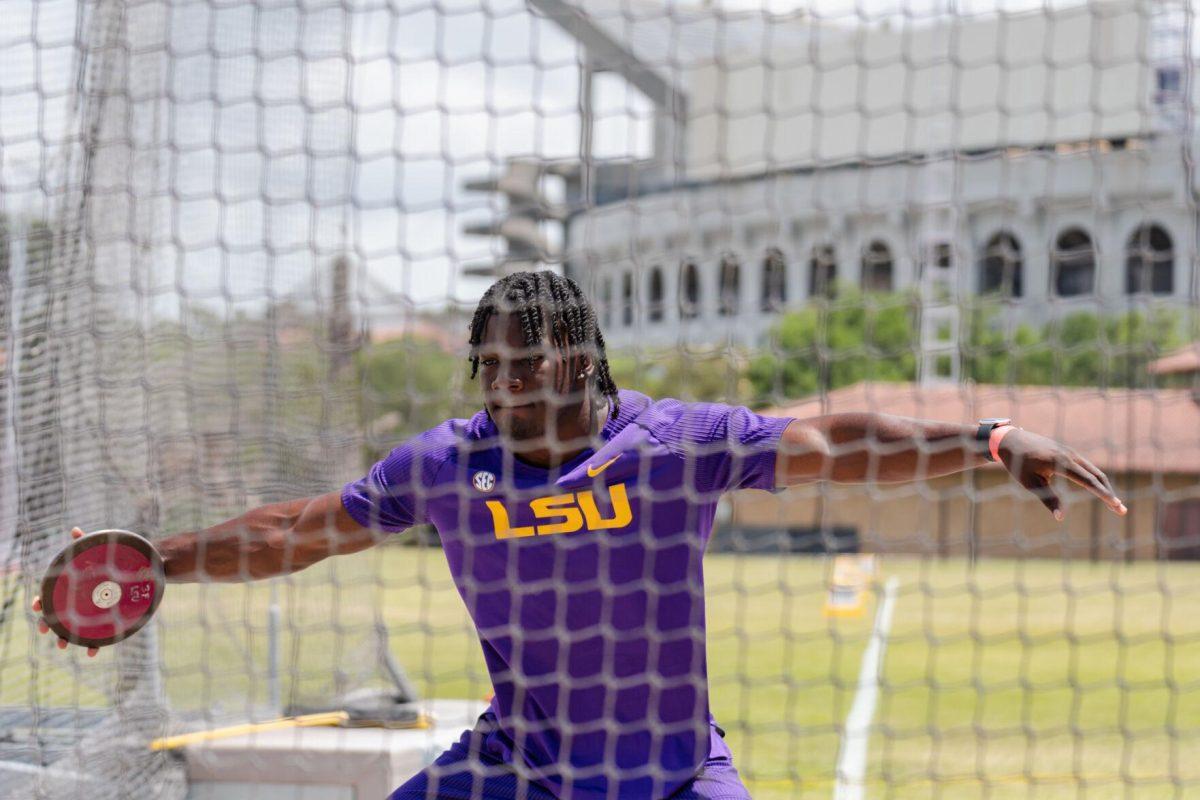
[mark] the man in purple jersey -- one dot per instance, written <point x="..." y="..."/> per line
<point x="574" y="517"/>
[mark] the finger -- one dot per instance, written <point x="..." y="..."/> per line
<point x="1100" y="476"/>
<point x="76" y="532"/>
<point x="62" y="644"/>
<point x="1041" y="489"/>
<point x="1076" y="473"/>
<point x="91" y="651"/>
<point x="37" y="602"/>
<point x="43" y="627"/>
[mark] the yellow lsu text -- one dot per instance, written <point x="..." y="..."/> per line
<point x="565" y="513"/>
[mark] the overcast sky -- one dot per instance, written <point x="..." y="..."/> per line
<point x="277" y="146"/>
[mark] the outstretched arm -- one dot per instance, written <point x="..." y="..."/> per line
<point x="267" y="541"/>
<point x="271" y="540"/>
<point x="863" y="447"/>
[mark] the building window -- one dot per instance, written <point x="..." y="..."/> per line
<point x="1002" y="266"/>
<point x="774" y="281"/>
<point x="689" y="291"/>
<point x="730" y="286"/>
<point x="1073" y="263"/>
<point x="656" y="294"/>
<point x="1150" y="261"/>
<point x="627" y="299"/>
<point x="877" y="268"/>
<point x="1170" y="80"/>
<point x="822" y="272"/>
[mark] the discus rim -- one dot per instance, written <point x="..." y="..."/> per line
<point x="61" y="563"/>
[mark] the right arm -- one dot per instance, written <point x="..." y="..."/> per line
<point x="281" y="538"/>
<point x="275" y="539"/>
<point x="271" y="540"/>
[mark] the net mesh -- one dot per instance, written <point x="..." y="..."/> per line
<point x="240" y="246"/>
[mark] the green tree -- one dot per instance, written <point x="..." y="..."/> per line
<point x="709" y="375"/>
<point x="409" y="385"/>
<point x="1081" y="349"/>
<point x="874" y="337"/>
<point x="857" y="338"/>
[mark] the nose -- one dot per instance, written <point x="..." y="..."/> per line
<point x="507" y="381"/>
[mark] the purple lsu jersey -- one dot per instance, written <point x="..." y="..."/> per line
<point x="585" y="582"/>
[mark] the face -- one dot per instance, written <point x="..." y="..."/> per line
<point x="526" y="390"/>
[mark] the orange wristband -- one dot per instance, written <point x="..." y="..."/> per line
<point x="997" y="436"/>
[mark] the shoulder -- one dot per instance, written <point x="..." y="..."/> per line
<point x="427" y="452"/>
<point x="667" y="419"/>
<point x="668" y="412"/>
<point x="677" y="423"/>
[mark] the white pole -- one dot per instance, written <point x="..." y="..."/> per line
<point x="852" y="754"/>
<point x="273" y="621"/>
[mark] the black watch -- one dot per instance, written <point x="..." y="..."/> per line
<point x="983" y="434"/>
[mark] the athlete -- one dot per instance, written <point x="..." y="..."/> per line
<point x="573" y="516"/>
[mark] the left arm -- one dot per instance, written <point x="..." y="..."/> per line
<point x="862" y="447"/>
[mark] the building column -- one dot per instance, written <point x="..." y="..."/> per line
<point x="1036" y="255"/>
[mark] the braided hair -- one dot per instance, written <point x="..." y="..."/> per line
<point x="538" y="299"/>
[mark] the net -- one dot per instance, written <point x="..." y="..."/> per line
<point x="240" y="247"/>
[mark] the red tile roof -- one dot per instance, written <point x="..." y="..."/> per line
<point x="449" y="341"/>
<point x="1121" y="430"/>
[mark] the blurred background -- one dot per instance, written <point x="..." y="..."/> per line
<point x="241" y="241"/>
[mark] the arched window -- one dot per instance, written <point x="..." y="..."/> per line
<point x="627" y="299"/>
<point x="877" y="268"/>
<point x="1150" y="261"/>
<point x="774" y="281"/>
<point x="730" y="286"/>
<point x="1073" y="263"/>
<point x="656" y="294"/>
<point x="689" y="291"/>
<point x="1002" y="266"/>
<point x="822" y="272"/>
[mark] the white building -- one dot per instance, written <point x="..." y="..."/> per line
<point x="1044" y="156"/>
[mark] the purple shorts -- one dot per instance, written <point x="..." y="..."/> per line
<point x="468" y="771"/>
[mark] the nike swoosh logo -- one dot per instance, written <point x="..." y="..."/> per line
<point x="591" y="473"/>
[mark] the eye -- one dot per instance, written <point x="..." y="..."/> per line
<point x="488" y="362"/>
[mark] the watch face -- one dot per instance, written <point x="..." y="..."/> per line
<point x="994" y="421"/>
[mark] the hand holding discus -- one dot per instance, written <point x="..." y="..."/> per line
<point x="100" y="589"/>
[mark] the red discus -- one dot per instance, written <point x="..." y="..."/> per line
<point x="102" y="588"/>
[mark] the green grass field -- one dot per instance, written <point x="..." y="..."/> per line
<point x="1031" y="679"/>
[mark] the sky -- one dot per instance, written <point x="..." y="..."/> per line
<point x="288" y="126"/>
<point x="296" y="129"/>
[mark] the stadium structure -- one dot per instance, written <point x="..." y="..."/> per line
<point x="1042" y="157"/>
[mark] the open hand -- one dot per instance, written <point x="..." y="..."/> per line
<point x="37" y="608"/>
<point x="1034" y="461"/>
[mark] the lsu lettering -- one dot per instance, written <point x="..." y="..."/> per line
<point x="565" y="513"/>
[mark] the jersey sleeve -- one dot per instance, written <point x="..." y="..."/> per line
<point x="726" y="447"/>
<point x="393" y="495"/>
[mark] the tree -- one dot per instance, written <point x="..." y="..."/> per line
<point x="823" y="347"/>
<point x="1081" y="349"/>
<point x="409" y="385"/>
<point x="709" y="375"/>
<point x="875" y="338"/>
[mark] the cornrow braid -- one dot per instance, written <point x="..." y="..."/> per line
<point x="538" y="299"/>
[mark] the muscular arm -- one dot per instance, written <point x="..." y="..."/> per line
<point x="854" y="448"/>
<point x="275" y="539"/>
<point x="862" y="447"/>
